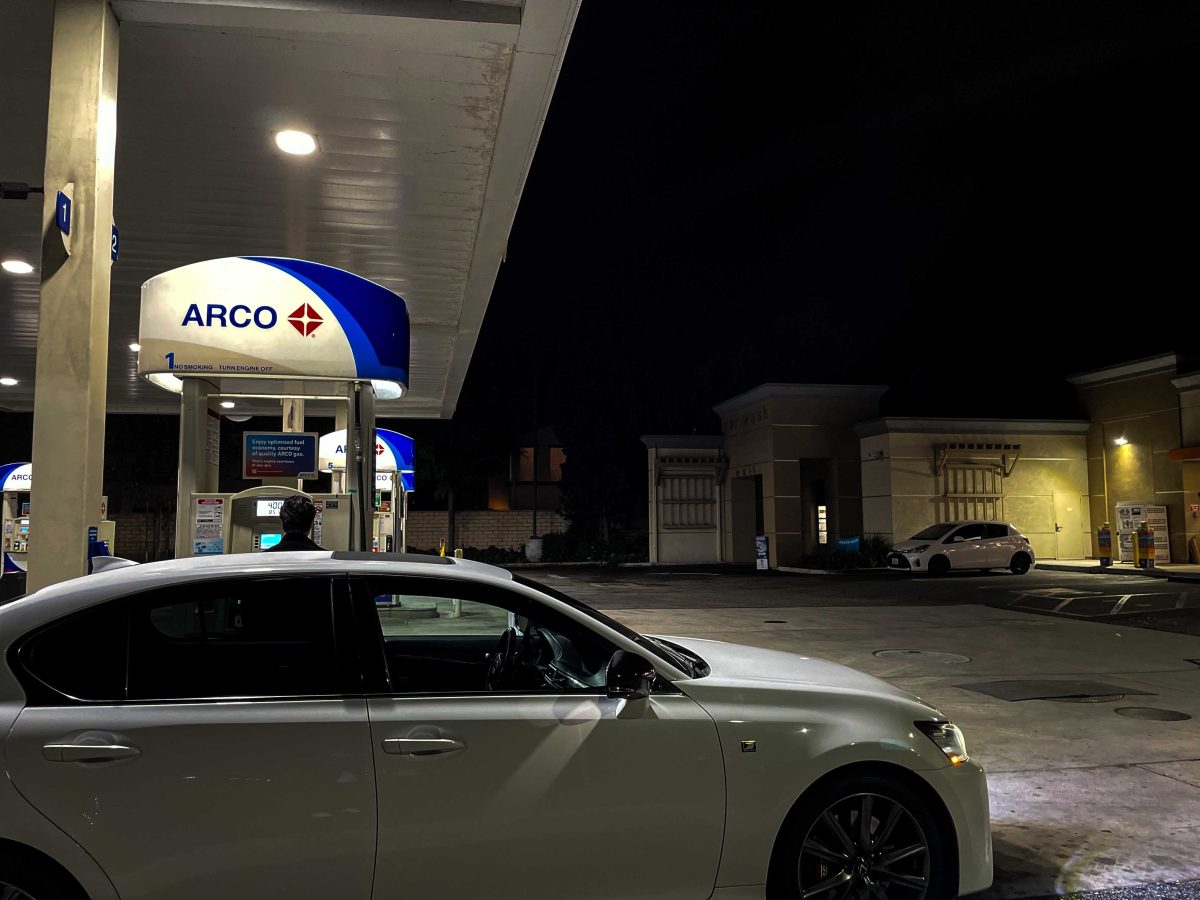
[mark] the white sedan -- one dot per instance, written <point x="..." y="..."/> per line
<point x="356" y="725"/>
<point x="964" y="545"/>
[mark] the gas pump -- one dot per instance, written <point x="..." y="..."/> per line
<point x="394" y="481"/>
<point x="248" y="522"/>
<point x="16" y="481"/>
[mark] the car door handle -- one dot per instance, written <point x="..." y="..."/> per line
<point x="88" y="752"/>
<point x="421" y="746"/>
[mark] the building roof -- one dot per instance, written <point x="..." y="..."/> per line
<point x="684" y="441"/>
<point x="912" y="425"/>
<point x="1138" y="368"/>
<point x="772" y="390"/>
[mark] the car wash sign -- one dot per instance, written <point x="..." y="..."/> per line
<point x="393" y="453"/>
<point x="265" y="317"/>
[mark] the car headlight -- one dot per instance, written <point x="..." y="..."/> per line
<point x="920" y="549"/>
<point x="949" y="739"/>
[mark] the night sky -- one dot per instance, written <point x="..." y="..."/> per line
<point x="966" y="201"/>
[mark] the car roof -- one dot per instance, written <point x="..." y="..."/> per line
<point x="78" y="593"/>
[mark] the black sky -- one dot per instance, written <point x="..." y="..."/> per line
<point x="964" y="200"/>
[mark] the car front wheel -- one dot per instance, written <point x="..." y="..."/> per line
<point x="863" y="837"/>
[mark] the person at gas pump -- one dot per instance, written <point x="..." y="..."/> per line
<point x="296" y="515"/>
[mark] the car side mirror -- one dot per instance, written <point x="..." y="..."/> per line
<point x="630" y="677"/>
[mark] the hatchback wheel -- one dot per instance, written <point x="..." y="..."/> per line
<point x="1019" y="564"/>
<point x="939" y="565"/>
<point x="861" y="839"/>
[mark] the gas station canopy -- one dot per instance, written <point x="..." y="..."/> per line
<point x="426" y="115"/>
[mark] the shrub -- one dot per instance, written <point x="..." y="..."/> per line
<point x="872" y="554"/>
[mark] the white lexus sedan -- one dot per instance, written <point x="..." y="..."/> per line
<point x="964" y="545"/>
<point x="357" y="726"/>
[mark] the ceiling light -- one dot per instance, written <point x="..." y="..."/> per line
<point x="227" y="404"/>
<point x="135" y="346"/>
<point x="1121" y="441"/>
<point x="17" y="266"/>
<point x="8" y="382"/>
<point x="300" y="143"/>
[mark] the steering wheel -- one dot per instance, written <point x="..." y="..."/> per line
<point x="500" y="664"/>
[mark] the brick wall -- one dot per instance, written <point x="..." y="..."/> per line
<point x="145" y="536"/>
<point x="507" y="529"/>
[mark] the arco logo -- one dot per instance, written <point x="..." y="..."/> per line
<point x="305" y="319"/>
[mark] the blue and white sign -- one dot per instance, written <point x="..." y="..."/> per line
<point x="62" y="209"/>
<point x="394" y="452"/>
<point x="16" y="477"/>
<point x="267" y="317"/>
<point x="116" y="243"/>
<point x="279" y="454"/>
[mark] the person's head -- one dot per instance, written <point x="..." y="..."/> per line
<point x="297" y="514"/>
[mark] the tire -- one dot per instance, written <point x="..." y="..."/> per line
<point x="939" y="565"/>
<point x="1019" y="564"/>
<point x="811" y="853"/>
<point x="25" y="879"/>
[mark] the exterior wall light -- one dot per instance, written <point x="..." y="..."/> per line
<point x="16" y="266"/>
<point x="1121" y="441"/>
<point x="298" y="143"/>
<point x="135" y="347"/>
<point x="9" y="382"/>
<point x="227" y="404"/>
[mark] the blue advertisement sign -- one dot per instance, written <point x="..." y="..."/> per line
<point x="277" y="454"/>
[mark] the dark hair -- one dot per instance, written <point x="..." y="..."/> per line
<point x="297" y="514"/>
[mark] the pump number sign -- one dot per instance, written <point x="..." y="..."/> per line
<point x="275" y="454"/>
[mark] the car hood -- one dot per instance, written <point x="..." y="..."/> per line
<point x="737" y="662"/>
<point x="910" y="544"/>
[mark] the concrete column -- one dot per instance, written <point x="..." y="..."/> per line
<point x="360" y="463"/>
<point x="72" y="350"/>
<point x="199" y="455"/>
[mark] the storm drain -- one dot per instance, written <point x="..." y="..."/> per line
<point x="1076" y="691"/>
<point x="931" y="656"/>
<point x="1151" y="713"/>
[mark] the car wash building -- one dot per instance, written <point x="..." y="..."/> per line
<point x="806" y="464"/>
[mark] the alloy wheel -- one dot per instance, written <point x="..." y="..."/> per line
<point x="864" y="847"/>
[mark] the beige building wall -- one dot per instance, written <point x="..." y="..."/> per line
<point x="1140" y="405"/>
<point x="903" y="492"/>
<point x="798" y="441"/>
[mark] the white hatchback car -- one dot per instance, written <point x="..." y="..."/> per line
<point x="356" y="725"/>
<point x="964" y="545"/>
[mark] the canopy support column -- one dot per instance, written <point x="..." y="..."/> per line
<point x="72" y="348"/>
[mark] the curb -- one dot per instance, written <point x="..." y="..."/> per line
<point x="1114" y="570"/>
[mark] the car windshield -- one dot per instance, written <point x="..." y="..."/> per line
<point x="933" y="532"/>
<point x="677" y="656"/>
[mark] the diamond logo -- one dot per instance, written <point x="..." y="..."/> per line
<point x="305" y="319"/>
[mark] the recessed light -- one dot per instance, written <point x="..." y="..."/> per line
<point x="299" y="143"/>
<point x="1121" y="441"/>
<point x="17" y="266"/>
<point x="135" y="346"/>
<point x="227" y="404"/>
<point x="8" y="382"/>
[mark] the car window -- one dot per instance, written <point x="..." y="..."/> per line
<point x="79" y="657"/>
<point x="458" y="638"/>
<point x="973" y="532"/>
<point x="233" y="638"/>
<point x="932" y="533"/>
<point x="997" y="531"/>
